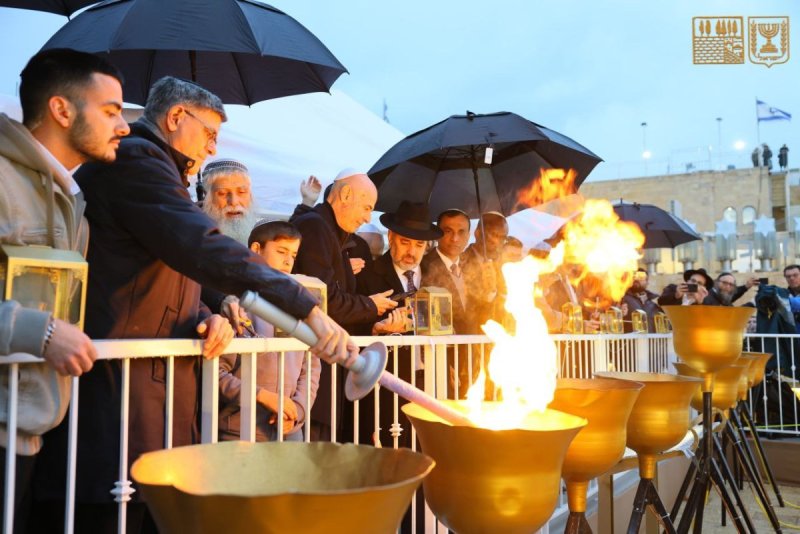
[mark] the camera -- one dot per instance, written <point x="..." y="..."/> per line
<point x="763" y="281"/>
<point x="691" y="287"/>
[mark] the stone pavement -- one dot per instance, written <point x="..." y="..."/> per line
<point x="788" y="515"/>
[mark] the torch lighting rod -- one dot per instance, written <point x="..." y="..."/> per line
<point x="364" y="366"/>
<point x="417" y="396"/>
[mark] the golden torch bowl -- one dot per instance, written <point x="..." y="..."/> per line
<point x="494" y="480"/>
<point x="708" y="338"/>
<point x="606" y="404"/>
<point x="758" y="367"/>
<point x="748" y="362"/>
<point x="246" y="487"/>
<point x="725" y="391"/>
<point x="660" y="416"/>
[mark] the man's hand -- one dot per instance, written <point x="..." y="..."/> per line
<point x="488" y="279"/>
<point x="233" y="312"/>
<point x="334" y="344"/>
<point x="217" y="332"/>
<point x="269" y="399"/>
<point x="70" y="351"/>
<point x="357" y="264"/>
<point x="395" y="323"/>
<point x="752" y="281"/>
<point x="383" y="302"/>
<point x="309" y="190"/>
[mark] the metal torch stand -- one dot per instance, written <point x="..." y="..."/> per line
<point x="577" y="524"/>
<point x="741" y="414"/>
<point x="703" y="472"/>
<point x="647" y="495"/>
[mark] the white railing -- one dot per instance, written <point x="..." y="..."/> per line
<point x="581" y="356"/>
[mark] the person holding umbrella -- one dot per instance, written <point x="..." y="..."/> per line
<point x="485" y="283"/>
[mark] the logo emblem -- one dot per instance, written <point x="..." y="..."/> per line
<point x="768" y="40"/>
<point x="718" y="40"/>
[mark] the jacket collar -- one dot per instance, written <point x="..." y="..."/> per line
<point x="325" y="211"/>
<point x="147" y="130"/>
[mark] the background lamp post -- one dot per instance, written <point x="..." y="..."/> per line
<point x="725" y="240"/>
<point x="689" y="253"/>
<point x="652" y="257"/>
<point x="766" y="241"/>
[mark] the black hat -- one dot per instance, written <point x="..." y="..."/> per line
<point x="702" y="272"/>
<point x="412" y="220"/>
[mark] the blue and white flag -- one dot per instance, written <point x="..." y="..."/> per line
<point x="765" y="112"/>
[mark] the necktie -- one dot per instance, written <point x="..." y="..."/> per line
<point x="410" y="277"/>
<point x="455" y="270"/>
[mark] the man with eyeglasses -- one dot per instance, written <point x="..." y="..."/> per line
<point x="151" y="250"/>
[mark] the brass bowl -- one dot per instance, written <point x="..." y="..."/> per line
<point x="606" y="404"/>
<point x="275" y="487"/>
<point x="708" y="338"/>
<point x="759" y="366"/>
<point x="494" y="480"/>
<point x="660" y="416"/>
<point x="725" y="391"/>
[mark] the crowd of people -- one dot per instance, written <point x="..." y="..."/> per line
<point x="75" y="176"/>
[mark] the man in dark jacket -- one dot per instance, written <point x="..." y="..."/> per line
<point x="638" y="297"/>
<point x="326" y="230"/>
<point x="151" y="249"/>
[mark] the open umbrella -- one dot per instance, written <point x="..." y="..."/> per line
<point x="59" y="7"/>
<point x="241" y="50"/>
<point x="661" y="229"/>
<point x="476" y="163"/>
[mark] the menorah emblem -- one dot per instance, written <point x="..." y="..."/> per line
<point x="768" y="40"/>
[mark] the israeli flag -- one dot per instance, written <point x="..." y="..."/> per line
<point x="765" y="112"/>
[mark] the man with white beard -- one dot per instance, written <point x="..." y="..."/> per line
<point x="229" y="201"/>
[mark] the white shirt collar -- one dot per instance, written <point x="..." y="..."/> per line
<point x="71" y="185"/>
<point x="447" y="261"/>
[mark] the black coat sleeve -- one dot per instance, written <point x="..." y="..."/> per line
<point x="151" y="203"/>
<point x="316" y="257"/>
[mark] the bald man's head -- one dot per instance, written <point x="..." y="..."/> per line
<point x="353" y="199"/>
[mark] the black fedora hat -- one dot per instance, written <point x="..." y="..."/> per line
<point x="702" y="272"/>
<point x="412" y="220"/>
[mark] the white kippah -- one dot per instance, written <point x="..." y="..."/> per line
<point x="227" y="165"/>
<point x="347" y="173"/>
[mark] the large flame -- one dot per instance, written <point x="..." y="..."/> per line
<point x="598" y="253"/>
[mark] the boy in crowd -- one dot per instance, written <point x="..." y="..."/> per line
<point x="277" y="242"/>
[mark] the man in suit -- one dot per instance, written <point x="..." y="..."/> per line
<point x="441" y="267"/>
<point x="397" y="270"/>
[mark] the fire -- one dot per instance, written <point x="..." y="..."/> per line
<point x="600" y="252"/>
<point x="552" y="184"/>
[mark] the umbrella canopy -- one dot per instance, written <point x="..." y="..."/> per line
<point x="661" y="229"/>
<point x="59" y="7"/>
<point x="447" y="164"/>
<point x="241" y="50"/>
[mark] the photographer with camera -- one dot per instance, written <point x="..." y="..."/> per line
<point x="693" y="290"/>
<point x="638" y="297"/>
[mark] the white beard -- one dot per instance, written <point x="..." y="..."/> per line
<point x="238" y="228"/>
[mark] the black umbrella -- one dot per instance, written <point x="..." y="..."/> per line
<point x="59" y="7"/>
<point x="661" y="229"/>
<point x="241" y="50"/>
<point x="446" y="164"/>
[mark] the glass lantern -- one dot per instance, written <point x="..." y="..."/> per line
<point x="572" y="318"/>
<point x="639" y="318"/>
<point x="317" y="288"/>
<point x="662" y="323"/>
<point x="611" y="321"/>
<point x="433" y="311"/>
<point x="45" y="279"/>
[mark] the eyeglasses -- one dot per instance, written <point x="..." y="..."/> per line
<point x="211" y="133"/>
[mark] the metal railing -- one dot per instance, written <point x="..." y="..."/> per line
<point x="429" y="362"/>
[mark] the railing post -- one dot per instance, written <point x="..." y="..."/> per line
<point x="122" y="488"/>
<point x="643" y="354"/>
<point x="11" y="448"/>
<point x="247" y="397"/>
<point x="209" y="425"/>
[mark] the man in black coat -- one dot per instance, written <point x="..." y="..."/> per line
<point x="151" y="249"/>
<point x="326" y="230"/>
